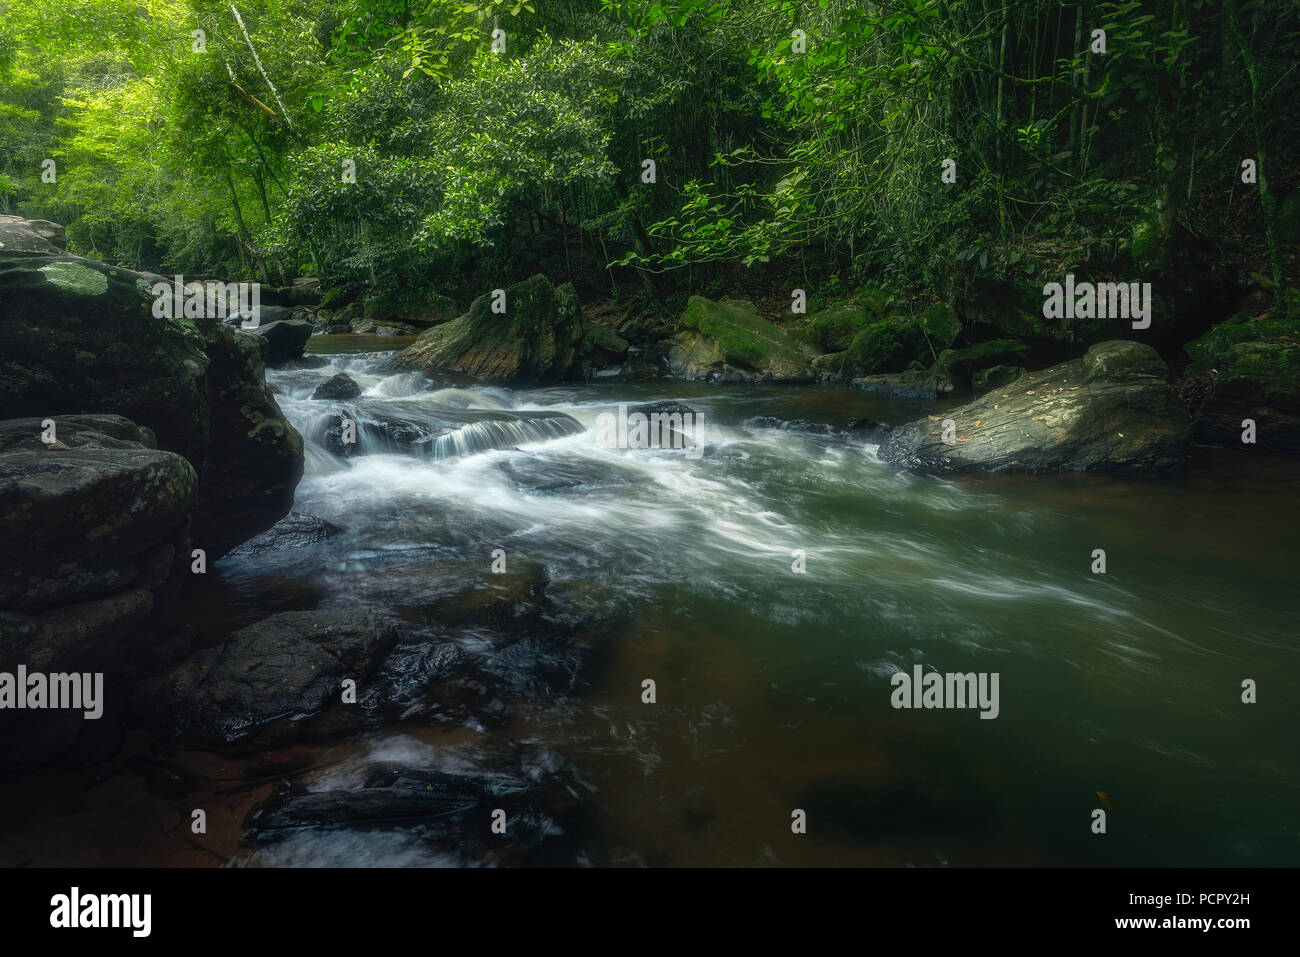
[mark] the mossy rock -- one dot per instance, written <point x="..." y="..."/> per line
<point x="833" y="329"/>
<point x="1253" y="372"/>
<point x="883" y="346"/>
<point x="1213" y="349"/>
<point x="539" y="339"/>
<point x="730" y="333"/>
<point x="940" y="323"/>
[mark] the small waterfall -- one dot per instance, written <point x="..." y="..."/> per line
<point x="391" y="418"/>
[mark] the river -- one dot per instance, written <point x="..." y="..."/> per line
<point x="772" y="686"/>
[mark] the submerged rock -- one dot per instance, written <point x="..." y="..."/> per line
<point x="912" y="384"/>
<point x="341" y="386"/>
<point x="285" y="668"/>
<point x="1112" y="410"/>
<point x="450" y="809"/>
<point x="862" y="429"/>
<point x="295" y="530"/>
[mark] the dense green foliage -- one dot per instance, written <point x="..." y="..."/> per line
<point x="501" y="137"/>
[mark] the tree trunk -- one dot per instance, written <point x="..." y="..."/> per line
<point x="1267" y="201"/>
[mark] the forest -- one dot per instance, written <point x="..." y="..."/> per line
<point x="655" y="148"/>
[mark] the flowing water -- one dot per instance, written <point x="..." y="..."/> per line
<point x="773" y="686"/>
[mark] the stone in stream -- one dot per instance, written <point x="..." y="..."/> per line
<point x="273" y="673"/>
<point x="341" y="386"/>
<point x="540" y="338"/>
<point x="665" y="407"/>
<point x="94" y="532"/>
<point x="863" y="429"/>
<point x="1113" y="411"/>
<point x="532" y="796"/>
<point x="295" y="530"/>
<point x="728" y="341"/>
<point x="912" y="384"/>
<point x="80" y="336"/>
<point x="285" y="339"/>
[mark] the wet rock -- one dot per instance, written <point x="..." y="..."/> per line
<point x="295" y="530"/>
<point x="884" y="345"/>
<point x="369" y="327"/>
<point x="281" y="670"/>
<point x="912" y="384"/>
<point x="662" y="408"/>
<point x="99" y="511"/>
<point x="341" y="386"/>
<point x="1112" y="410"/>
<point x="962" y="364"/>
<point x="94" y="533"/>
<point x="285" y="339"/>
<point x="364" y="806"/>
<point x="859" y="429"/>
<point x="78" y="335"/>
<point x="548" y="475"/>
<point x="450" y="808"/>
<point x="307" y="362"/>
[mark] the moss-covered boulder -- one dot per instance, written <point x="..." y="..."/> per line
<point x="79" y="336"/>
<point x="728" y="339"/>
<point x="833" y="329"/>
<point x="1248" y="370"/>
<point x="1111" y="411"/>
<point x="540" y="337"/>
<point x="886" y="345"/>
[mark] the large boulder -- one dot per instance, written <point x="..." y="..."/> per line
<point x="94" y="533"/>
<point x="1248" y="371"/>
<point x="285" y="338"/>
<point x="1112" y="411"/>
<point x="541" y="337"/>
<point x="30" y="235"/>
<point x="731" y="341"/>
<point x="80" y="336"/>
<point x="288" y="667"/>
